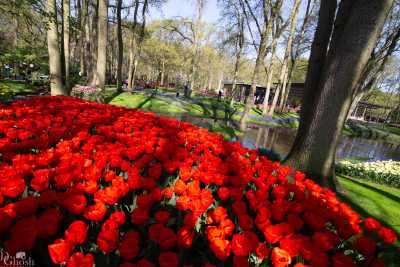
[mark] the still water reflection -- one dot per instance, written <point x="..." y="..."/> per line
<point x="280" y="140"/>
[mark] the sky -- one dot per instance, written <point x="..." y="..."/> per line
<point x="211" y="13"/>
<point x="186" y="8"/>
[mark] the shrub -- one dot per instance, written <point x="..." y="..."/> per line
<point x="382" y="172"/>
<point x="100" y="183"/>
<point x="87" y="92"/>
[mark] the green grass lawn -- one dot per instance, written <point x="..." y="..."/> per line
<point x="197" y="106"/>
<point x="209" y="107"/>
<point x="16" y="87"/>
<point x="156" y="104"/>
<point x="374" y="131"/>
<point x="371" y="199"/>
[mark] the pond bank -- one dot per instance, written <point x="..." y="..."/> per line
<point x="223" y="118"/>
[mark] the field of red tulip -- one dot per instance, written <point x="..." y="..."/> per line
<point x="105" y="185"/>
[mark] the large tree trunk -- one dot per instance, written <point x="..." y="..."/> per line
<point x="66" y="14"/>
<point x="56" y="84"/>
<point x="120" y="46"/>
<point x="327" y="100"/>
<point x="101" y="65"/>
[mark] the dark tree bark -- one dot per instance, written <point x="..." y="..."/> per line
<point x="331" y="81"/>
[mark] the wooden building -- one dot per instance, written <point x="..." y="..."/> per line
<point x="243" y="89"/>
<point x="366" y="111"/>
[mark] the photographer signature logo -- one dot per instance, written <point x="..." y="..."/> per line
<point x="19" y="260"/>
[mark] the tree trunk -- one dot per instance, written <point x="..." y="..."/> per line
<point x="270" y="73"/>
<point x="231" y="94"/>
<point x="120" y="46"/>
<point x="101" y="64"/>
<point x="132" y="59"/>
<point x="196" y="44"/>
<point x="210" y="81"/>
<point x="288" y="52"/>
<point x="261" y="53"/>
<point x="56" y="85"/>
<point x="328" y="96"/>
<point x="80" y="35"/>
<point x="354" y="104"/>
<point x="162" y="72"/>
<point x="249" y="101"/>
<point x="297" y="50"/>
<point x="221" y="77"/>
<point x="85" y="39"/>
<point x="93" y="42"/>
<point x="133" y="48"/>
<point x="239" y="47"/>
<point x="66" y="15"/>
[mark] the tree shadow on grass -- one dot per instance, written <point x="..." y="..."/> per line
<point x="144" y="102"/>
<point x="391" y="251"/>
<point x="109" y="98"/>
<point x="377" y="190"/>
<point x="365" y="214"/>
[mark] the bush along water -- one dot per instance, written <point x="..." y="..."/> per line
<point x="382" y="172"/>
<point x="98" y="183"/>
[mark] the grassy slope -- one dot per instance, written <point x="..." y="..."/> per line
<point x="370" y="199"/>
<point x="199" y="106"/>
<point x="210" y="107"/>
<point x="374" y="131"/>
